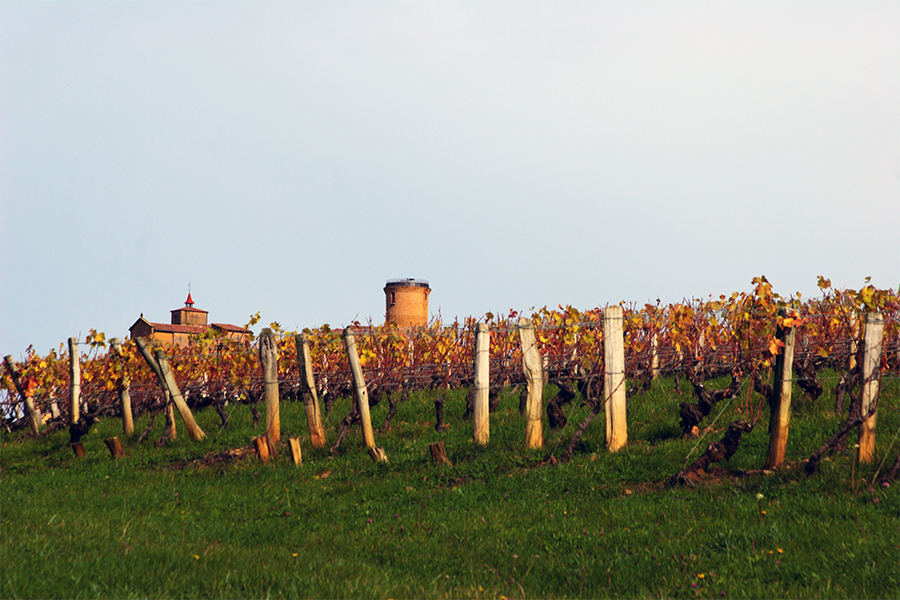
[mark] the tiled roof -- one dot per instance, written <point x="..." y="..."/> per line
<point x="169" y="328"/>
<point x="228" y="327"/>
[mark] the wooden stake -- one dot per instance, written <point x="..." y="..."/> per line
<point x="170" y="432"/>
<point x="268" y="358"/>
<point x="534" y="380"/>
<point x="124" y="395"/>
<point x="144" y="348"/>
<point x="115" y="447"/>
<point x="169" y="380"/>
<point x="614" y="384"/>
<point x="75" y="381"/>
<point x="871" y="375"/>
<point x="654" y="356"/>
<point x="780" y="417"/>
<point x="78" y="449"/>
<point x="262" y="448"/>
<point x="439" y="454"/>
<point x="34" y="416"/>
<point x="296" y="454"/>
<point x="359" y="382"/>
<point x="482" y="384"/>
<point x="308" y="393"/>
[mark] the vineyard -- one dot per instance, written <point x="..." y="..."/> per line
<point x="734" y="336"/>
<point x="690" y="494"/>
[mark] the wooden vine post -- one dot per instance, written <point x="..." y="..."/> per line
<point x="124" y="394"/>
<point x="308" y="392"/>
<point x="482" y="384"/>
<point x="261" y="444"/>
<point x="362" y="396"/>
<point x="74" y="381"/>
<point x="34" y="417"/>
<point x="614" y="384"/>
<point x="268" y="358"/>
<point x="439" y="454"/>
<point x="654" y="356"/>
<point x="872" y="344"/>
<point x="296" y="453"/>
<point x="115" y="447"/>
<point x="141" y="344"/>
<point x="183" y="409"/>
<point x="780" y="416"/>
<point x="534" y="379"/>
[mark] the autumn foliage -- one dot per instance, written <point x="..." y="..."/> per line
<point x="717" y="336"/>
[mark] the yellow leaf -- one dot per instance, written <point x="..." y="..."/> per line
<point x="775" y="347"/>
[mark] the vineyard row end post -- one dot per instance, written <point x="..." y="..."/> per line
<point x="482" y="429"/>
<point x="124" y="394"/>
<point x="183" y="409"/>
<point x="171" y="432"/>
<point x="362" y="396"/>
<point x="308" y="392"/>
<point x="614" y="384"/>
<point x="268" y="358"/>
<point x="534" y="379"/>
<point x="74" y="382"/>
<point x="872" y="344"/>
<point x="780" y="416"/>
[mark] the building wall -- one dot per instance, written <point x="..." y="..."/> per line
<point x="406" y="306"/>
<point x="189" y="316"/>
<point x="180" y="339"/>
<point x="141" y="329"/>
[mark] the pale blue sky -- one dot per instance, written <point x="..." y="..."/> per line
<point x="291" y="157"/>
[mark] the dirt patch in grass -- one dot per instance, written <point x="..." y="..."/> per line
<point x="222" y="457"/>
<point x="715" y="476"/>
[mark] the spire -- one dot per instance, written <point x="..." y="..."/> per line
<point x="190" y="301"/>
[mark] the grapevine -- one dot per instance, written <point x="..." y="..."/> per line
<point x="698" y="340"/>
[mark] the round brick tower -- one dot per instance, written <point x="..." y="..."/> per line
<point x="406" y="302"/>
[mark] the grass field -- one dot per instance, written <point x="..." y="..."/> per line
<point x="183" y="521"/>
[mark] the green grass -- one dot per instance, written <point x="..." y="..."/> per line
<point x="176" y="522"/>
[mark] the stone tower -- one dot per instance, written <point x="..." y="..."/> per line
<point x="406" y="302"/>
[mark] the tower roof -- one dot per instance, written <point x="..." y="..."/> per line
<point x="189" y="301"/>
<point x="409" y="282"/>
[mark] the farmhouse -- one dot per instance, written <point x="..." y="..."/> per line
<point x="187" y="322"/>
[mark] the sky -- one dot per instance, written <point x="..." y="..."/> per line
<point x="288" y="158"/>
